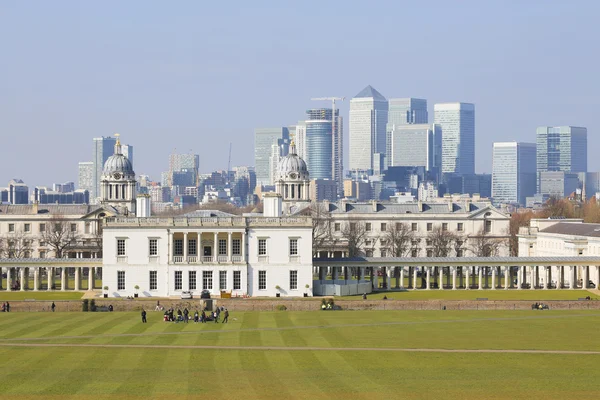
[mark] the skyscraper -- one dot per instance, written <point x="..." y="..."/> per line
<point x="414" y="145"/>
<point x="457" y="121"/>
<point x="513" y="172"/>
<point x="407" y="111"/>
<point x="86" y="176"/>
<point x="323" y="148"/>
<point x="264" y="138"/>
<point x="368" y="119"/>
<point x="104" y="148"/>
<point x="561" y="148"/>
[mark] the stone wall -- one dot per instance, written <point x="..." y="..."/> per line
<point x="305" y="305"/>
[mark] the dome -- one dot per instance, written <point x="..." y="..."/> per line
<point x="292" y="166"/>
<point x="118" y="162"/>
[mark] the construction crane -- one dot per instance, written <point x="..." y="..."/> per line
<point x="333" y="120"/>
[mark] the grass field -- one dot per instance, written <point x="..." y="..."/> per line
<point x="312" y="355"/>
<point x="512" y="294"/>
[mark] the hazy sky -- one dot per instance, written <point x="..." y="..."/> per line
<point x="197" y="75"/>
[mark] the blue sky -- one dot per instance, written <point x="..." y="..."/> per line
<point x="198" y="75"/>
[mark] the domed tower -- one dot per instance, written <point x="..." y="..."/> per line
<point x="117" y="184"/>
<point x="292" y="181"/>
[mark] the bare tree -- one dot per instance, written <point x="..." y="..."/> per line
<point x="355" y="233"/>
<point x="321" y="227"/>
<point x="17" y="245"/>
<point x="442" y="241"/>
<point x="60" y="236"/>
<point x="399" y="240"/>
<point x="484" y="245"/>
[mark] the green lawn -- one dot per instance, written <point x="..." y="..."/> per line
<point x="326" y="370"/>
<point x="512" y="294"/>
<point x="40" y="295"/>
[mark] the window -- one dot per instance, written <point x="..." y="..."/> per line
<point x="178" y="247"/>
<point x="42" y="243"/>
<point x="369" y="253"/>
<point x="237" y="247"/>
<point x="444" y="226"/>
<point x="207" y="280"/>
<point x="336" y="227"/>
<point x="11" y="227"/>
<point x="237" y="280"/>
<point x="429" y="253"/>
<point x="367" y="242"/>
<point x="368" y="227"/>
<point x="73" y="227"/>
<point x="383" y="242"/>
<point x="120" y="247"/>
<point x="222" y="280"/>
<point x="383" y="227"/>
<point x="488" y="226"/>
<point x="42" y="254"/>
<point x="428" y="242"/>
<point x="42" y="228"/>
<point x="429" y="227"/>
<point x="262" y="247"/>
<point x="178" y="280"/>
<point x="293" y="247"/>
<point x="459" y="253"/>
<point x="222" y="247"/>
<point x="293" y="280"/>
<point x="153" y="247"/>
<point x="352" y="226"/>
<point x="383" y="254"/>
<point x="414" y="242"/>
<point x="262" y="280"/>
<point x="413" y="227"/>
<point x="459" y="227"/>
<point x="87" y="228"/>
<point x="27" y="228"/>
<point x="192" y="249"/>
<point x="192" y="280"/>
<point x="120" y="280"/>
<point x="153" y="280"/>
<point x="414" y="253"/>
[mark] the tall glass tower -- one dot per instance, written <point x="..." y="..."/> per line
<point x="457" y="122"/>
<point x="513" y="172"/>
<point x="323" y="146"/>
<point x="368" y="119"/>
<point x="407" y="111"/>
<point x="264" y="138"/>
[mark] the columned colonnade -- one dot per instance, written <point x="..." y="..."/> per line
<point x="30" y="274"/>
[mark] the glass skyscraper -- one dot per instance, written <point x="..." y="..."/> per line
<point x="457" y="121"/>
<point x="414" y="145"/>
<point x="264" y="138"/>
<point x="407" y="111"/>
<point x="322" y="146"/>
<point x="561" y="148"/>
<point x="513" y="172"/>
<point x="368" y="120"/>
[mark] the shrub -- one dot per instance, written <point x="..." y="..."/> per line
<point x="281" y="307"/>
<point x="85" y="305"/>
<point x="93" y="305"/>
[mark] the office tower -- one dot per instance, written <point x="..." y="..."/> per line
<point x="43" y="195"/>
<point x="561" y="148"/>
<point x="103" y="148"/>
<point x="63" y="187"/>
<point x="513" y="172"/>
<point x="468" y="184"/>
<point x="557" y="183"/>
<point x="17" y="192"/>
<point x="323" y="148"/>
<point x="407" y="111"/>
<point x="457" y="122"/>
<point x="368" y="119"/>
<point x="274" y="162"/>
<point x="322" y="189"/>
<point x="300" y="139"/>
<point x="85" y="176"/>
<point x="264" y="138"/>
<point x="414" y="146"/>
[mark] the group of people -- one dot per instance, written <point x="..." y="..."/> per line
<point x="184" y="316"/>
<point x="6" y="307"/>
<point x="539" y="306"/>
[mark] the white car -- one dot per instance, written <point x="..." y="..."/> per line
<point x="186" y="294"/>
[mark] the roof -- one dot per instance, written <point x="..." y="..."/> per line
<point x="370" y="91"/>
<point x="407" y="208"/>
<point x="57" y="209"/>
<point x="208" y="214"/>
<point x="452" y="261"/>
<point x="574" y="228"/>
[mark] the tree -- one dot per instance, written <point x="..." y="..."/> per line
<point x="517" y="220"/>
<point x="16" y="245"/>
<point x="59" y="236"/>
<point x="442" y="241"/>
<point x="399" y="238"/>
<point x="355" y="234"/>
<point x="321" y="227"/>
<point x="483" y="245"/>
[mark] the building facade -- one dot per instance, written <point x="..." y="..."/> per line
<point x="513" y="172"/>
<point x="103" y="149"/>
<point x="457" y="121"/>
<point x="264" y="138"/>
<point x="407" y="111"/>
<point x="368" y="120"/>
<point x="417" y="145"/>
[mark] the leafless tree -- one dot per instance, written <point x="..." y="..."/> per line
<point x="355" y="234"/>
<point x="17" y="245"/>
<point x="59" y="236"/>
<point x="321" y="227"/>
<point x="442" y="241"/>
<point x="399" y="239"/>
<point x="484" y="245"/>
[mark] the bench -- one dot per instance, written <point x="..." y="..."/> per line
<point x="481" y="298"/>
<point x="102" y="309"/>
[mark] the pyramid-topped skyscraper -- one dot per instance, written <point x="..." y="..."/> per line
<point x="368" y="119"/>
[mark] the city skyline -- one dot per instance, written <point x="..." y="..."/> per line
<point x="129" y="78"/>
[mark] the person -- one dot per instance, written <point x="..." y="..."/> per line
<point x="157" y="306"/>
<point x="7" y="306"/>
<point x="110" y="307"/>
<point x="203" y="317"/>
<point x="216" y="317"/>
<point x="364" y="296"/>
<point x="143" y="316"/>
<point x="225" y="316"/>
<point x="384" y="297"/>
<point x="3" y="307"/>
<point x="53" y="306"/>
<point x="179" y="315"/>
<point x="196" y="317"/>
<point x="186" y="315"/>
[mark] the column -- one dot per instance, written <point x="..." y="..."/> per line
<point x="494" y="278"/>
<point x="586" y="277"/>
<point x="519" y="277"/>
<point x="185" y="247"/>
<point x="9" y="279"/>
<point x="322" y="274"/>
<point x="90" y="278"/>
<point x="454" y="271"/>
<point x="63" y="279"/>
<point x="467" y="271"/>
<point x="36" y="279"/>
<point x="401" y="278"/>
<point x="243" y="244"/>
<point x="216" y="247"/>
<point x="346" y="274"/>
<point x="414" y="278"/>
<point x="480" y="278"/>
<point x="375" y="277"/>
<point x="546" y="279"/>
<point x="229" y="246"/>
<point x="334" y="274"/>
<point x="441" y="279"/>
<point x="171" y="249"/>
<point x="427" y="283"/>
<point x="571" y="277"/>
<point x="22" y="278"/>
<point x="361" y="274"/>
<point x="389" y="274"/>
<point x="77" y="278"/>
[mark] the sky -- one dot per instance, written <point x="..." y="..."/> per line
<point x="194" y="75"/>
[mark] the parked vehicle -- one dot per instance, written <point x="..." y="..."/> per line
<point x="186" y="294"/>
